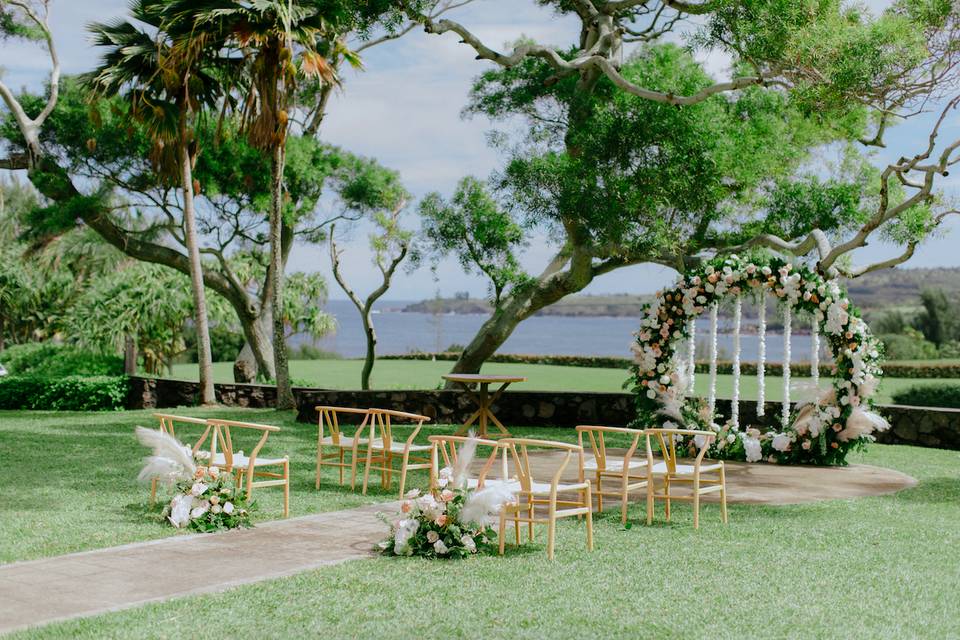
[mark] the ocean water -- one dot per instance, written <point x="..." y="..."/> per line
<point x="400" y="333"/>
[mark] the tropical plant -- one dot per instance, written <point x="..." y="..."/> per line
<point x="168" y="90"/>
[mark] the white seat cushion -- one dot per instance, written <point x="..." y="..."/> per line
<point x="346" y="441"/>
<point x="241" y="461"/>
<point x="684" y="469"/>
<point x="542" y="488"/>
<point x="398" y="447"/>
<point x="590" y="464"/>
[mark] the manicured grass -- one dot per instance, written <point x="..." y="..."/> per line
<point x="423" y="374"/>
<point x="866" y="568"/>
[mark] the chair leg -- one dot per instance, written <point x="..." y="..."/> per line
<point x="723" y="495"/>
<point x="286" y="489"/>
<point x="403" y="473"/>
<point x="599" y="493"/>
<point x="696" y="502"/>
<point x="551" y="529"/>
<point x="153" y="491"/>
<point x="666" y="491"/>
<point x="650" y="485"/>
<point x="341" y="458"/>
<point x="590" y="518"/>
<point x="530" y="511"/>
<point x="366" y="469"/>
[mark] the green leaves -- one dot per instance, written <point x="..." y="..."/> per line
<point x="483" y="236"/>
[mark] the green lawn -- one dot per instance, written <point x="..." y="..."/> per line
<point x="423" y="374"/>
<point x="873" y="567"/>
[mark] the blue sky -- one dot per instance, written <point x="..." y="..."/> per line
<point x="404" y="109"/>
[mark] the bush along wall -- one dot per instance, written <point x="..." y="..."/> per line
<point x="938" y="395"/>
<point x="70" y="393"/>
<point x="47" y="359"/>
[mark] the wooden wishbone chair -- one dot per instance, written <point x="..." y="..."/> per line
<point x="628" y="472"/>
<point x="168" y="424"/>
<point x="533" y="492"/>
<point x="382" y="450"/>
<point x="446" y="452"/>
<point x="247" y="467"/>
<point x="330" y="435"/>
<point x="672" y="473"/>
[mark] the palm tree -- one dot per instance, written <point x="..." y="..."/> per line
<point x="277" y="40"/>
<point x="168" y="92"/>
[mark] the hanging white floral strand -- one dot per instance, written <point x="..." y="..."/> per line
<point x="712" y="397"/>
<point x="815" y="360"/>
<point x="735" y="402"/>
<point x="762" y="353"/>
<point x="787" y="322"/>
<point x="692" y="354"/>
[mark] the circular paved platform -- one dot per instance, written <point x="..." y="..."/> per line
<point x="762" y="483"/>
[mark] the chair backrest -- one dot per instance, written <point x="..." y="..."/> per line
<point x="329" y="420"/>
<point x="519" y="449"/>
<point x="383" y="420"/>
<point x="222" y="437"/>
<point x="446" y="450"/>
<point x="667" y="441"/>
<point x="169" y="422"/>
<point x="596" y="436"/>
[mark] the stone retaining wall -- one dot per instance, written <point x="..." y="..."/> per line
<point x="922" y="426"/>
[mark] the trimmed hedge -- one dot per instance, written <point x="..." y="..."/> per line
<point x="70" y="393"/>
<point x="892" y="369"/>
<point x="938" y="395"/>
<point x="47" y="359"/>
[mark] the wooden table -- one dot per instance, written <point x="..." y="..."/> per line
<point x="484" y="399"/>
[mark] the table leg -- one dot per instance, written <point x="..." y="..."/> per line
<point x="484" y="408"/>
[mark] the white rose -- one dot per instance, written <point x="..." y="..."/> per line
<point x="664" y="379"/>
<point x="197" y="489"/>
<point x="651" y="394"/>
<point x="468" y="543"/>
<point x="198" y="512"/>
<point x="215" y="509"/>
<point x="440" y="548"/>
<point x="228" y="508"/>
<point x="432" y="536"/>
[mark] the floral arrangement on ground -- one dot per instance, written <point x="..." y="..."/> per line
<point x="205" y="499"/>
<point x="452" y="520"/>
<point x="823" y="431"/>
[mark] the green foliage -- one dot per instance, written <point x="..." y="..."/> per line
<point x="939" y="395"/>
<point x="71" y="393"/>
<point x="939" y="321"/>
<point x="311" y="352"/>
<point x="484" y="236"/>
<point x="55" y="360"/>
<point x="225" y="342"/>
<point x="910" y="345"/>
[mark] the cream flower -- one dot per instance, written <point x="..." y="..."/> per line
<point x="440" y="548"/>
<point x="228" y="508"/>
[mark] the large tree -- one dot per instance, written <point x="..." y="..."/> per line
<point x="641" y="156"/>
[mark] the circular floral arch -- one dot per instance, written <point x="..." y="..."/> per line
<point x="821" y="432"/>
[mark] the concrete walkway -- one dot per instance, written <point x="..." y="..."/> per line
<point x="93" y="582"/>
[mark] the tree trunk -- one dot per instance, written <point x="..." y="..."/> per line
<point x="256" y="357"/>
<point x="285" y="398"/>
<point x="129" y="355"/>
<point x="204" y="358"/>
<point x="518" y="306"/>
<point x="371" y="335"/>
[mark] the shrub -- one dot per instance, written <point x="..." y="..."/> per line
<point x="225" y="343"/>
<point x="70" y="393"/>
<point x="47" y="359"/>
<point x="907" y="346"/>
<point x="311" y="352"/>
<point x="934" y="395"/>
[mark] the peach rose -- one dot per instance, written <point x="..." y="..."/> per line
<point x="446" y="495"/>
<point x="441" y="521"/>
<point x="406" y="506"/>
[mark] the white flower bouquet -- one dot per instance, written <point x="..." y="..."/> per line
<point x="453" y="521"/>
<point x="205" y="499"/>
